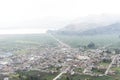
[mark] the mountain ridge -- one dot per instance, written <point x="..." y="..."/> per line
<point x="91" y="26"/>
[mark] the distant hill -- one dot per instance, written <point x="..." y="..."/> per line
<point x="92" y="26"/>
<point x="110" y="29"/>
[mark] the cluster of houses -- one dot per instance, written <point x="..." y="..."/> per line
<point x="56" y="59"/>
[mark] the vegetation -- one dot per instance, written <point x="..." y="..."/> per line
<point x="91" y="45"/>
<point x="105" y="63"/>
<point x="20" y="43"/>
<point x="98" y="71"/>
<point x="32" y="75"/>
<point x="98" y="40"/>
<point x="36" y="75"/>
<point x="13" y="42"/>
<point x="79" y="70"/>
<point x="87" y="77"/>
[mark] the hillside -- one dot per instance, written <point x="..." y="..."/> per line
<point x="91" y="26"/>
<point x="110" y="29"/>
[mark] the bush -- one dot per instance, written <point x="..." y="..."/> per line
<point x="91" y="45"/>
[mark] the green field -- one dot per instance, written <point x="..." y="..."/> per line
<point x="99" y="40"/>
<point x="36" y="75"/>
<point x="32" y="75"/>
<point x="20" y="41"/>
<point x="14" y="42"/>
<point x="87" y="77"/>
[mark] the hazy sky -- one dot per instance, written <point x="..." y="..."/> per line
<point x="35" y="16"/>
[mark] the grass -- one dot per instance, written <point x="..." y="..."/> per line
<point x="99" y="40"/>
<point x="105" y="64"/>
<point x="36" y="75"/>
<point x="87" y="77"/>
<point x="80" y="70"/>
<point x="98" y="71"/>
<point x="9" y="43"/>
<point x="32" y="75"/>
<point x="116" y="69"/>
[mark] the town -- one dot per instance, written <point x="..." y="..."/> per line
<point x="62" y="59"/>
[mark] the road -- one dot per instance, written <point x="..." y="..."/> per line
<point x="106" y="72"/>
<point x="63" y="45"/>
<point x="60" y="42"/>
<point x="58" y="76"/>
<point x="85" y="70"/>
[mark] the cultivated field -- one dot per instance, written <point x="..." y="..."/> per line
<point x="99" y="40"/>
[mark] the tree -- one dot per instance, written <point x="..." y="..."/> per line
<point x="117" y="51"/>
<point x="68" y="76"/>
<point x="91" y="45"/>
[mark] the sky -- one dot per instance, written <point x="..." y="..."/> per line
<point x="37" y="16"/>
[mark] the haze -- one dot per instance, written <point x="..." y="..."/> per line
<point x="37" y="16"/>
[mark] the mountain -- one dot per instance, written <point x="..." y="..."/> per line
<point x="110" y="29"/>
<point x="91" y="26"/>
